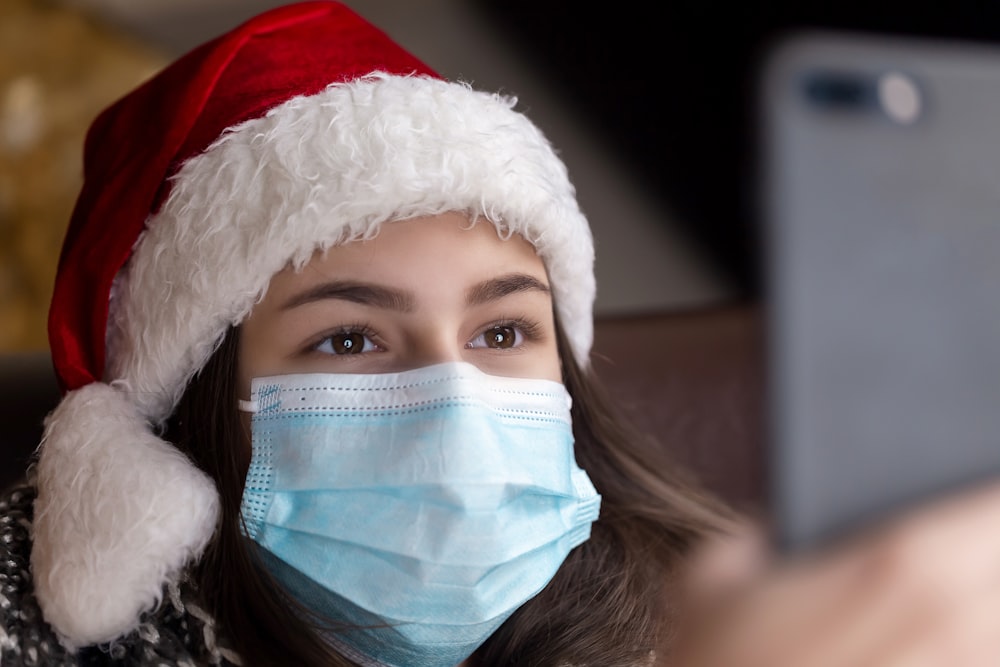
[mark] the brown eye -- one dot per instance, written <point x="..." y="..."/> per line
<point x="505" y="336"/>
<point x="500" y="338"/>
<point x="348" y="342"/>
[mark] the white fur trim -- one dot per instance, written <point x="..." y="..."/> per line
<point x="323" y="170"/>
<point x="118" y="511"/>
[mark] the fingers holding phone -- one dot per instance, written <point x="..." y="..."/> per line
<point x="921" y="591"/>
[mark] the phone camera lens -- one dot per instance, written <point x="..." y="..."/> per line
<point x="839" y="91"/>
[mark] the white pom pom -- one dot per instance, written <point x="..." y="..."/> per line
<point x="118" y="512"/>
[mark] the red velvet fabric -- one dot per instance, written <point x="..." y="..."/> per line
<point x="135" y="145"/>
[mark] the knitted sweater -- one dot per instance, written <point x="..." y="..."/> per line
<point x="178" y="632"/>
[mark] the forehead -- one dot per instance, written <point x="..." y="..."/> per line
<point x="428" y="253"/>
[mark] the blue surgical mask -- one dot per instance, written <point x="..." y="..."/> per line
<point x="420" y="508"/>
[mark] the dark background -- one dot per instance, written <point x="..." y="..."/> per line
<point x="672" y="84"/>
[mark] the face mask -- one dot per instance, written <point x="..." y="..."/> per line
<point x="420" y="508"/>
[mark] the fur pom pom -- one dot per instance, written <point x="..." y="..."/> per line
<point x="118" y="512"/>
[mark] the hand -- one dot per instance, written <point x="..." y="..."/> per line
<point x="923" y="591"/>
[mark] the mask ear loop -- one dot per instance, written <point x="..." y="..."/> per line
<point x="248" y="406"/>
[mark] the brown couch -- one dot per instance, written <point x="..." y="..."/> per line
<point x="692" y="378"/>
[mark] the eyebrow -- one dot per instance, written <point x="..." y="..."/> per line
<point x="366" y="294"/>
<point x="403" y="301"/>
<point x="501" y="286"/>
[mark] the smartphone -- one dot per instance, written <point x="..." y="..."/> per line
<point x="881" y="209"/>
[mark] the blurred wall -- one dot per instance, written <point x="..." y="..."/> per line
<point x="58" y="69"/>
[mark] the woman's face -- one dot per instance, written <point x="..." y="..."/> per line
<point x="424" y="291"/>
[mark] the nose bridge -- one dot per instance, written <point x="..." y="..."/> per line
<point x="434" y="342"/>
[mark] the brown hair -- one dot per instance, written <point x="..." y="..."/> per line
<point x="607" y="606"/>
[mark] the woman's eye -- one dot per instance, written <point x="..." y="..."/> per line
<point x="499" y="337"/>
<point x="349" y="342"/>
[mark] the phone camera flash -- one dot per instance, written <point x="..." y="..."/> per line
<point x="899" y="97"/>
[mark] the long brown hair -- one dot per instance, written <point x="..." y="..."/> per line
<point x="607" y="606"/>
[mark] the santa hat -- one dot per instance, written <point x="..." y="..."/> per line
<point x="302" y="129"/>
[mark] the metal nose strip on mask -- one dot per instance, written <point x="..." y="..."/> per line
<point x="397" y="391"/>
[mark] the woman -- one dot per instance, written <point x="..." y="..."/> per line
<point x="415" y="249"/>
<point x="320" y="317"/>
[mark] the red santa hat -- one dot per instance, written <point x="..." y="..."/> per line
<point x="304" y="128"/>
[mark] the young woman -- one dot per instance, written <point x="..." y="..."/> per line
<point x="321" y="316"/>
<point x="323" y="320"/>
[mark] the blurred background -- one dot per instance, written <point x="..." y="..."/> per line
<point x="651" y="105"/>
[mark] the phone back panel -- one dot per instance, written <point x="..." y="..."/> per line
<point x="883" y="244"/>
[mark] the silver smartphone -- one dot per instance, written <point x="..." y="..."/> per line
<point x="881" y="205"/>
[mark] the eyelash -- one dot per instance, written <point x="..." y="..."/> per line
<point x="362" y="328"/>
<point x="528" y="330"/>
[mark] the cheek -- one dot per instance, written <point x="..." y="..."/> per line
<point x="554" y="367"/>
